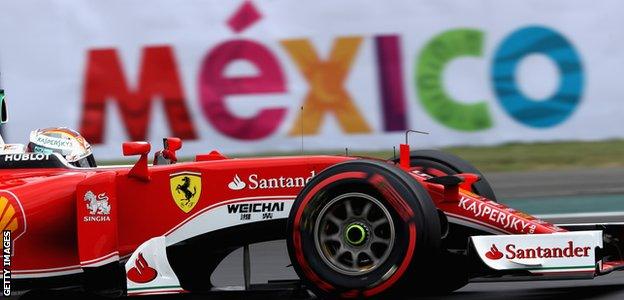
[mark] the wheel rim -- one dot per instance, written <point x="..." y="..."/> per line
<point x="354" y="234"/>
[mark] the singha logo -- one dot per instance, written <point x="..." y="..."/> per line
<point x="494" y="254"/>
<point x="97" y="205"/>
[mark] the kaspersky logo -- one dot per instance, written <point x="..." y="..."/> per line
<point x="513" y="252"/>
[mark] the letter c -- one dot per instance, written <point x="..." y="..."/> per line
<point x="428" y="80"/>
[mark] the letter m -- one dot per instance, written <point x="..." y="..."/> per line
<point x="158" y="79"/>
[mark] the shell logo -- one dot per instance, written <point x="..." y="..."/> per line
<point x="11" y="215"/>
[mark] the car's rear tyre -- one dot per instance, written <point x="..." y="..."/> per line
<point x="361" y="229"/>
<point x="439" y="163"/>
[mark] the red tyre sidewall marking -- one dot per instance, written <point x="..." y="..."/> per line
<point x="395" y="199"/>
<point x="397" y="275"/>
<point x="406" y="212"/>
<point x="297" y="227"/>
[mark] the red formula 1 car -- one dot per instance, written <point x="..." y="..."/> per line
<point x="355" y="227"/>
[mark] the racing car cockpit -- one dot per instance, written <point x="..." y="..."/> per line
<point x="64" y="141"/>
<point x="47" y="148"/>
<point x="62" y="147"/>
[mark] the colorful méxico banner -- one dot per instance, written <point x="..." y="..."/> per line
<point x="254" y="76"/>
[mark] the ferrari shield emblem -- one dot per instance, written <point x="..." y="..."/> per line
<point x="185" y="189"/>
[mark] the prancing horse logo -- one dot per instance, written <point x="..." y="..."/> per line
<point x="185" y="189"/>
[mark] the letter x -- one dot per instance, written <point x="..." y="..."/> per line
<point x="326" y="80"/>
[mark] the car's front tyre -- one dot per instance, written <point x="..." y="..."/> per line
<point x="362" y="229"/>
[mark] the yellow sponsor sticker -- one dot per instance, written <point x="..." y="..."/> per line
<point x="185" y="189"/>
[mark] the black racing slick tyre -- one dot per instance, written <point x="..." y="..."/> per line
<point x="439" y="163"/>
<point x="362" y="229"/>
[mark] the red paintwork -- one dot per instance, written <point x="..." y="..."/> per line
<point x="404" y="156"/>
<point x="57" y="238"/>
<point x="47" y="198"/>
<point x="610" y="266"/>
<point x="103" y="234"/>
<point x="473" y="208"/>
<point x="52" y="201"/>
<point x="139" y="170"/>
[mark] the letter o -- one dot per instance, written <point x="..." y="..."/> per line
<point x="559" y="106"/>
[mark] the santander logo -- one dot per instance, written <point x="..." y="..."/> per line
<point x="142" y="272"/>
<point x="236" y="184"/>
<point x="494" y="254"/>
<point x="255" y="181"/>
<point x="569" y="250"/>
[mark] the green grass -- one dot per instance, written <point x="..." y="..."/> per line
<point x="545" y="156"/>
<point x="517" y="156"/>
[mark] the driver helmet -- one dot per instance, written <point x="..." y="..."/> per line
<point x="64" y="141"/>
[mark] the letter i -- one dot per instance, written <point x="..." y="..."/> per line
<point x="390" y="73"/>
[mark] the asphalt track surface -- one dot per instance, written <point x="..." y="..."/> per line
<point x="514" y="185"/>
<point x="269" y="261"/>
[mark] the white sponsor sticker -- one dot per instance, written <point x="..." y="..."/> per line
<point x="554" y="252"/>
<point x="98" y="207"/>
<point x="255" y="181"/>
<point x="26" y="157"/>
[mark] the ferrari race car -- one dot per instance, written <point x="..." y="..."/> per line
<point x="427" y="222"/>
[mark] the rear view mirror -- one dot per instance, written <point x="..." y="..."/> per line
<point x="172" y="143"/>
<point x="136" y="148"/>
<point x="168" y="154"/>
<point x="139" y="170"/>
<point x="4" y="114"/>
